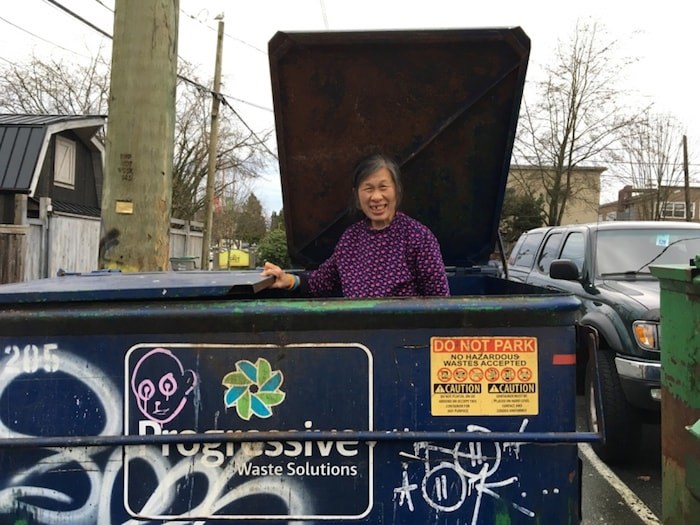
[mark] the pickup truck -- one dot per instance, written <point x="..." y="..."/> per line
<point x="606" y="265"/>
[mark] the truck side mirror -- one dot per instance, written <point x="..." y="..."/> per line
<point x="564" y="269"/>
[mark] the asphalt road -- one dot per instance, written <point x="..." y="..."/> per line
<point x="622" y="495"/>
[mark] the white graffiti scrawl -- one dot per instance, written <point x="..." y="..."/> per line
<point x="39" y="490"/>
<point x="452" y="475"/>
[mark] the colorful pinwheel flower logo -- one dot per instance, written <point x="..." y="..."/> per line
<point x="253" y="389"/>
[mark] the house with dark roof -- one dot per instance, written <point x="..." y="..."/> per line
<point x="51" y="174"/>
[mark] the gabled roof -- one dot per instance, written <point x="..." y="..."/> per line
<point x="24" y="140"/>
<point x="75" y="209"/>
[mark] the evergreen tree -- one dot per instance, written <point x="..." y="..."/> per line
<point x="251" y="225"/>
<point x="521" y="212"/>
<point x="277" y="220"/>
<point x="273" y="248"/>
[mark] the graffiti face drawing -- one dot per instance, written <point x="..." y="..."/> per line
<point x="161" y="385"/>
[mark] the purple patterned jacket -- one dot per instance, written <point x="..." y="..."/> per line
<point x="402" y="259"/>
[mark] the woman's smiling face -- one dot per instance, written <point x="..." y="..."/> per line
<point x="377" y="197"/>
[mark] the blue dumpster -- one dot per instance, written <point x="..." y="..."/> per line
<point x="137" y="395"/>
<point x="197" y="397"/>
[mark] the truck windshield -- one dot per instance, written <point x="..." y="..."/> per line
<point x="631" y="252"/>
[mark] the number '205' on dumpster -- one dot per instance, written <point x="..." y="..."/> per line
<point x="194" y="396"/>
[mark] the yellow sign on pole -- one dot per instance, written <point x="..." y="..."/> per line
<point x="234" y="259"/>
<point x="488" y="376"/>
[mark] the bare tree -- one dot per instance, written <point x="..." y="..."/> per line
<point x="575" y="119"/>
<point x="55" y="86"/>
<point x="650" y="160"/>
<point x="241" y="154"/>
<point x="223" y="228"/>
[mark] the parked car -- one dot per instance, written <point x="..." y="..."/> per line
<point x="606" y="265"/>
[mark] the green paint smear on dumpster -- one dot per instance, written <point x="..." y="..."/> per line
<point x="502" y="515"/>
<point x="402" y="307"/>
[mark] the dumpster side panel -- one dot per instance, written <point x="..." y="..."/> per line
<point x="169" y="377"/>
<point x="680" y="401"/>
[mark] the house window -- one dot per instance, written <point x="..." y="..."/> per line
<point x="676" y="210"/>
<point x="64" y="163"/>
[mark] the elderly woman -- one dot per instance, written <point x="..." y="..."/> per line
<point x="386" y="254"/>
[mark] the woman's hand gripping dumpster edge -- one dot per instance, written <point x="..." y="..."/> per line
<point x="385" y="254"/>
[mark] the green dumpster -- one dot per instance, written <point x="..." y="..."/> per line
<point x="680" y="390"/>
<point x="183" y="263"/>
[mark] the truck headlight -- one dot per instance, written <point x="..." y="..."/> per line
<point x="646" y="334"/>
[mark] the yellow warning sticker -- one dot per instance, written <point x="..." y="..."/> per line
<point x="483" y="376"/>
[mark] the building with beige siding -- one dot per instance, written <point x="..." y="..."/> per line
<point x="581" y="207"/>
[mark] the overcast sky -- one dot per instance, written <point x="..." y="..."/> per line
<point x="662" y="36"/>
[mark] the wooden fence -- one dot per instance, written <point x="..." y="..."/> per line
<point x="58" y="241"/>
<point x="61" y="242"/>
<point x="186" y="239"/>
<point x="13" y="240"/>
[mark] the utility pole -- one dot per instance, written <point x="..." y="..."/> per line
<point x="688" y="216"/>
<point x="137" y="193"/>
<point x="213" y="140"/>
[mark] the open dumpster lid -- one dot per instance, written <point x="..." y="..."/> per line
<point x="443" y="103"/>
<point x="111" y="286"/>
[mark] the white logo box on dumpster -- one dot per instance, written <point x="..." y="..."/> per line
<point x="183" y="388"/>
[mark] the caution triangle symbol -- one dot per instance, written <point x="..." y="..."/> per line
<point x="439" y="389"/>
<point x="493" y="388"/>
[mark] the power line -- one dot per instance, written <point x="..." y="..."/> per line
<point x="37" y="36"/>
<point x="8" y="61"/>
<point x="192" y="17"/>
<point x="92" y="26"/>
<point x="222" y="99"/>
<point x="257" y="106"/>
<point x="225" y="103"/>
<point x="106" y="7"/>
<point x="325" y="16"/>
<point x="77" y="16"/>
<point x="199" y="86"/>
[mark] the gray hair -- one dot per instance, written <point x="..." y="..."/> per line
<point x="372" y="164"/>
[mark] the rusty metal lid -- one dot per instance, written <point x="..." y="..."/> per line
<point x="443" y="103"/>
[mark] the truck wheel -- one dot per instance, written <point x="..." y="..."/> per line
<point x="621" y="423"/>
